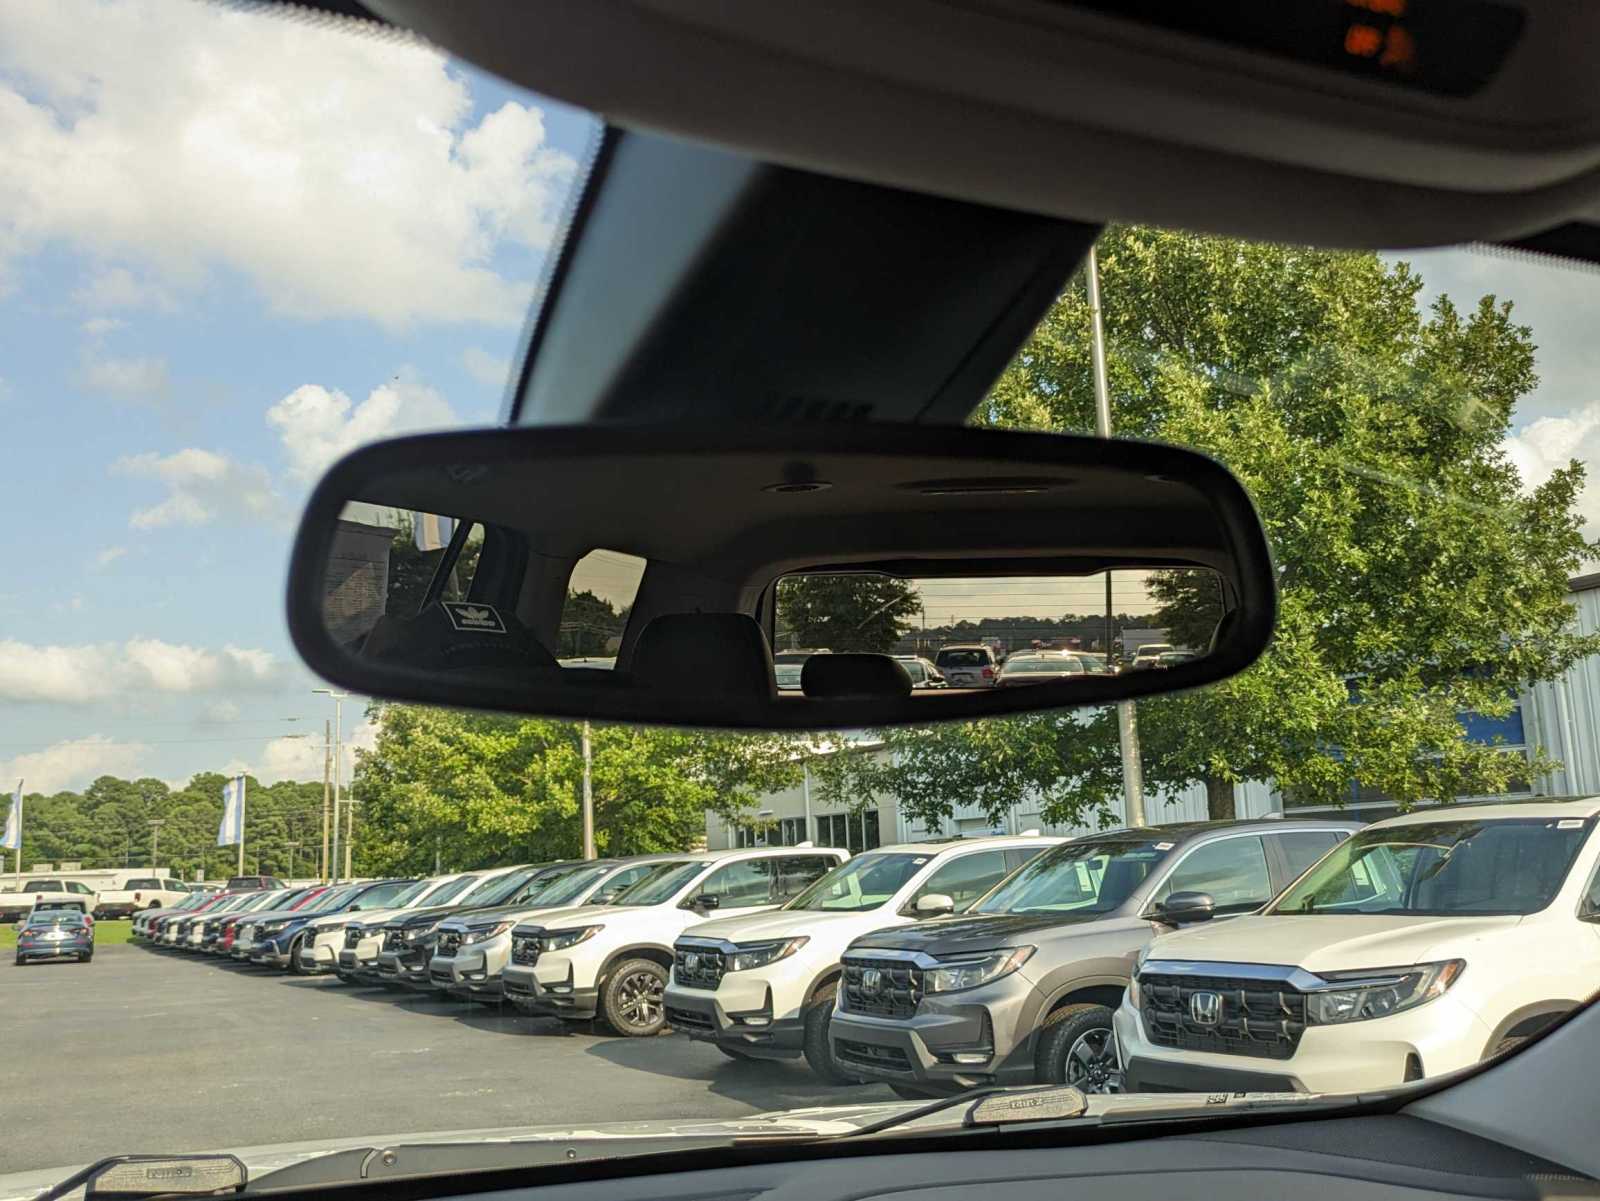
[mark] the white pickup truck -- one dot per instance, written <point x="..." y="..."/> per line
<point x="15" y="905"/>
<point x="138" y="893"/>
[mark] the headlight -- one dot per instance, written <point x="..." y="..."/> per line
<point x="560" y="940"/>
<point x="271" y="928"/>
<point x="419" y="933"/>
<point x="1378" y="992"/>
<point x="1133" y="981"/>
<point x="485" y="934"/>
<point x="759" y="954"/>
<point x="957" y="974"/>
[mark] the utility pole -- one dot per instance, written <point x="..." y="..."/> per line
<point x="155" y="825"/>
<point x="327" y="792"/>
<point x="1127" y="718"/>
<point x="293" y="847"/>
<point x="338" y="773"/>
<point x="588" y="796"/>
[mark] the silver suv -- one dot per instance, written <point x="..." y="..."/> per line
<point x="1022" y="987"/>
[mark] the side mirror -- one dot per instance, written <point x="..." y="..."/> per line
<point x="1589" y="910"/>
<point x="932" y="904"/>
<point x="706" y="901"/>
<point x="1185" y="908"/>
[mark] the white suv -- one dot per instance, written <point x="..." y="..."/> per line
<point x="1422" y="944"/>
<point x="325" y="936"/>
<point x="612" y="961"/>
<point x="762" y="986"/>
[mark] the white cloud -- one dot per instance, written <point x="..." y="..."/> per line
<point x="202" y="486"/>
<point x="98" y="327"/>
<point x="134" y="377"/>
<point x="89" y="672"/>
<point x="118" y="288"/>
<point x="74" y="763"/>
<point x="1549" y="443"/>
<point x="341" y="175"/>
<point x="317" y="424"/>
<point x="484" y="367"/>
<point x="301" y="758"/>
<point x="109" y="555"/>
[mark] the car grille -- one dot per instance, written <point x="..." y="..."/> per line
<point x="698" y="967"/>
<point x="246" y="936"/>
<point x="895" y="990"/>
<point x="394" y="939"/>
<point x="525" y="949"/>
<point x="870" y="1055"/>
<point x="689" y="1019"/>
<point x="1253" y="1017"/>
<point x="352" y="937"/>
<point x="449" y="943"/>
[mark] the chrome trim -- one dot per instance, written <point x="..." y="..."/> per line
<point x="1289" y="975"/>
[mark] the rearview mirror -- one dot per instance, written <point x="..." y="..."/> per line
<point x="647" y="573"/>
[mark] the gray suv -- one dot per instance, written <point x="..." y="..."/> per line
<point x="1021" y="988"/>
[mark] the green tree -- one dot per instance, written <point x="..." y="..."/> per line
<point x="475" y="789"/>
<point x="845" y="612"/>
<point x="1419" y="579"/>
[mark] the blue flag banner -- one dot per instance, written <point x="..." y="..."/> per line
<point x="12" y="841"/>
<point x="231" y="831"/>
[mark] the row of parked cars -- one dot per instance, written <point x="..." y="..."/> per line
<point x="1279" y="954"/>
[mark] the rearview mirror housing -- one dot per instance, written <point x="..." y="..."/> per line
<point x="934" y="904"/>
<point x="1186" y="908"/>
<point x="741" y="538"/>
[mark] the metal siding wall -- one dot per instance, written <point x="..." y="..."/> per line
<point x="1563" y="717"/>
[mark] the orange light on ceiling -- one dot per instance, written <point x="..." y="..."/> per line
<point x="1384" y="8"/>
<point x="1399" y="48"/>
<point x="1363" y="41"/>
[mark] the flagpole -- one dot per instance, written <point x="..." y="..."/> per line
<point x="241" y="825"/>
<point x="18" y="860"/>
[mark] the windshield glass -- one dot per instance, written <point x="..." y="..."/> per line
<point x="236" y="246"/>
<point x="55" y="917"/>
<point x="864" y="882"/>
<point x="1498" y="866"/>
<point x="1094" y="876"/>
<point x="660" y="885"/>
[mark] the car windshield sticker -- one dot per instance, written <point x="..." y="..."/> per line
<point x="475" y="618"/>
<point x="1164" y="846"/>
<point x="1569" y="823"/>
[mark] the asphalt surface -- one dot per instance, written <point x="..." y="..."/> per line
<point x="143" y="1051"/>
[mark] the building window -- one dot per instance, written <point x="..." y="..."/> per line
<point x="855" y="832"/>
<point x="791" y="831"/>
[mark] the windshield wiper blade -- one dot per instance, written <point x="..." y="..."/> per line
<point x="994" y="1105"/>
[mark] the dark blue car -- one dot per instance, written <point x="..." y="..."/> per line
<point x="55" y="934"/>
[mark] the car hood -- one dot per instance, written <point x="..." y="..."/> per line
<point x="782" y="923"/>
<point x="822" y="1121"/>
<point x="363" y="916"/>
<point x="434" y="913"/>
<point x="950" y="935"/>
<point x="580" y="914"/>
<point x="1331" y="942"/>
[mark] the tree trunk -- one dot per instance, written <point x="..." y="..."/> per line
<point x="1219" y="799"/>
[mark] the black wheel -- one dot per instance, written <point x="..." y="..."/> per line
<point x="816" y="1045"/>
<point x="85" y="957"/>
<point x="1077" y="1046"/>
<point x="631" y="1001"/>
<point x="907" y="1093"/>
<point x="294" y="957"/>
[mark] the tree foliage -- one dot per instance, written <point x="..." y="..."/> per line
<point x="845" y="612"/>
<point x="479" y="788"/>
<point x="1419" y="578"/>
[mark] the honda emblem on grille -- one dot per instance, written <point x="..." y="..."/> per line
<point x="872" y="980"/>
<point x="1205" y="1008"/>
<point x="691" y="961"/>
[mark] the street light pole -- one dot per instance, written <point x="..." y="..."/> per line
<point x="338" y="773"/>
<point x="588" y="796"/>
<point x="1127" y="719"/>
<point x="155" y="825"/>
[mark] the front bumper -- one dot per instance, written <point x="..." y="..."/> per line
<point x="952" y="1042"/>
<point x="560" y="997"/>
<point x="738" y="1025"/>
<point x="1443" y="1035"/>
<point x="318" y="956"/>
<point x="408" y="968"/>
<point x="474" y="971"/>
<point x="271" y="952"/>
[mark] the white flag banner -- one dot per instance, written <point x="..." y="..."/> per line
<point x="429" y="531"/>
<point x="13" y="835"/>
<point x="231" y="831"/>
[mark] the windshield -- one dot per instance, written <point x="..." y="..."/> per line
<point x="1078" y="878"/>
<point x="1498" y="866"/>
<point x="661" y="885"/>
<point x="862" y="883"/>
<point x="55" y="917"/>
<point x="237" y="246"/>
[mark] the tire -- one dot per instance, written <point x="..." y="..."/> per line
<point x="1078" y="1046"/>
<point x="86" y="957"/>
<point x="631" y="1001"/>
<point x="815" y="1045"/>
<point x="294" y="956"/>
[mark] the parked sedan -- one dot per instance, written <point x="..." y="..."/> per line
<point x="55" y="934"/>
<point x="1040" y="667"/>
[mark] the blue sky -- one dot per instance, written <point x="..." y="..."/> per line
<point x="235" y="247"/>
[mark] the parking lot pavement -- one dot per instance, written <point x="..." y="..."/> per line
<point x="141" y="1051"/>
